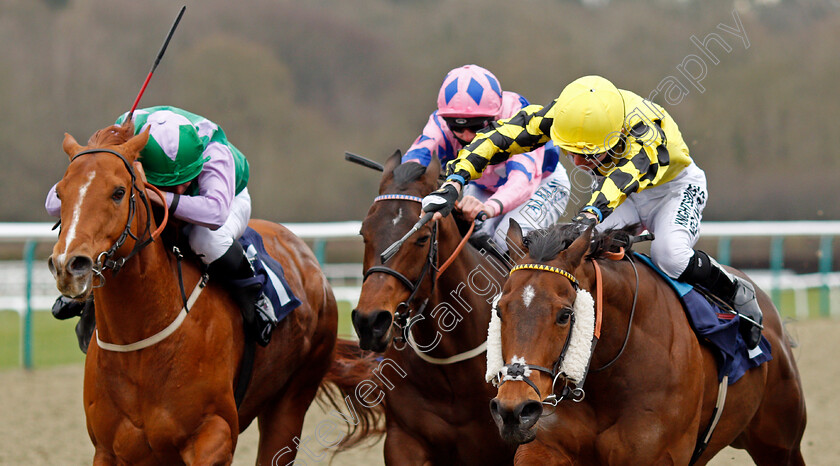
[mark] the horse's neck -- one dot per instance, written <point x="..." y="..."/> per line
<point x="623" y="297"/>
<point x="138" y="301"/>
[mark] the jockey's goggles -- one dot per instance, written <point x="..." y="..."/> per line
<point x="459" y="124"/>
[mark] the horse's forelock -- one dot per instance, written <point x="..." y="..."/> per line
<point x="406" y="173"/>
<point x="545" y="245"/>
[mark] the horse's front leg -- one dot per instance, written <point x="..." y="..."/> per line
<point x="402" y="449"/>
<point x="212" y="443"/>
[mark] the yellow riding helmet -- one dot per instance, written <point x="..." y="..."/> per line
<point x="588" y="116"/>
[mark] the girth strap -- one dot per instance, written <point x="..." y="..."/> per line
<point x="703" y="440"/>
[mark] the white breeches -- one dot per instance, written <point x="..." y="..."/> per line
<point x="672" y="212"/>
<point x="211" y="244"/>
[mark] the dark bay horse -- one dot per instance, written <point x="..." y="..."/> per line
<point x="437" y="413"/>
<point x="653" y="403"/>
<point x="159" y="383"/>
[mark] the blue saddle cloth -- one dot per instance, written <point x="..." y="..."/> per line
<point x="270" y="274"/>
<point x="717" y="329"/>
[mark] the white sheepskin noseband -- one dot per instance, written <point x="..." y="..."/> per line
<point x="579" y="351"/>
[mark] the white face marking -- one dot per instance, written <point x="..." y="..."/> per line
<point x="398" y="217"/>
<point x="527" y="295"/>
<point x="77" y="211"/>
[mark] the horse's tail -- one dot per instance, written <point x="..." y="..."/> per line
<point x="351" y="367"/>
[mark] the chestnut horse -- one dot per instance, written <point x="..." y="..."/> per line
<point x="163" y="390"/>
<point x="652" y="403"/>
<point x="437" y="413"/>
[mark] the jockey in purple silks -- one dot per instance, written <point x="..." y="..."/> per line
<point x="205" y="178"/>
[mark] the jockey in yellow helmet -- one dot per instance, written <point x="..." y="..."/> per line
<point x="643" y="175"/>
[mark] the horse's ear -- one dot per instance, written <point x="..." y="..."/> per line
<point x="577" y="250"/>
<point x="393" y="162"/>
<point x="134" y="145"/>
<point x="70" y="146"/>
<point x="433" y="171"/>
<point x="514" y="238"/>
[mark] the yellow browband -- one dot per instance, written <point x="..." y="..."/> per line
<point x="546" y="268"/>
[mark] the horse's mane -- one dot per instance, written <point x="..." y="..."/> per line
<point x="405" y="173"/>
<point x="112" y="135"/>
<point x="544" y="245"/>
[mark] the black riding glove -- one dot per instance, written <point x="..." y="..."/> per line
<point x="442" y="200"/>
<point x="583" y="222"/>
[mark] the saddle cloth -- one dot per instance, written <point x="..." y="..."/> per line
<point x="269" y="273"/>
<point x="716" y="328"/>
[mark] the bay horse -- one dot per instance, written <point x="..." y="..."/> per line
<point x="660" y="387"/>
<point x="437" y="318"/>
<point x="159" y="382"/>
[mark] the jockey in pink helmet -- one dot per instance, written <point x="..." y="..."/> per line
<point x="531" y="187"/>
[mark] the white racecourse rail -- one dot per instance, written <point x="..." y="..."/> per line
<point x="346" y="277"/>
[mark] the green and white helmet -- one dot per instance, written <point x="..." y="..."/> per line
<point x="174" y="153"/>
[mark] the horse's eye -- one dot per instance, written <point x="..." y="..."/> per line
<point x="423" y="240"/>
<point x="119" y="193"/>
<point x="564" y="315"/>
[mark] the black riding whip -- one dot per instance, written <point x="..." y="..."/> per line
<point x="363" y="161"/>
<point x="157" y="60"/>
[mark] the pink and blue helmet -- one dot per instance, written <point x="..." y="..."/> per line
<point x="470" y="91"/>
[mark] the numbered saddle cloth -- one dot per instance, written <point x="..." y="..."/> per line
<point x="269" y="273"/>
<point x="716" y="328"/>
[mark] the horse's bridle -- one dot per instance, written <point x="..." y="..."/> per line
<point x="521" y="370"/>
<point x="104" y="259"/>
<point x="429" y="268"/>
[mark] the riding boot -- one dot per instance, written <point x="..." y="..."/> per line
<point x="86" y="325"/>
<point x="704" y="271"/>
<point x="64" y="308"/>
<point x="235" y="271"/>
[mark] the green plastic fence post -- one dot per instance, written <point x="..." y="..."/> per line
<point x="319" y="246"/>
<point x="777" y="258"/>
<point x="826" y="256"/>
<point x="724" y="250"/>
<point x="26" y="341"/>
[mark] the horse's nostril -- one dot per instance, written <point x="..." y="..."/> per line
<point x="530" y="412"/>
<point x="51" y="266"/>
<point x="494" y="406"/>
<point x="381" y="322"/>
<point x="79" y="265"/>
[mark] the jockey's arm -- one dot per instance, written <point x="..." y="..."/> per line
<point x="523" y="174"/>
<point x="53" y="203"/>
<point x="210" y="207"/>
<point x="622" y="176"/>
<point x="430" y="143"/>
<point x="525" y="131"/>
